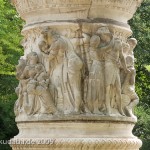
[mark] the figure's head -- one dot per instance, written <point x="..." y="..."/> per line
<point x="32" y="58"/>
<point x="43" y="46"/>
<point x="61" y="53"/>
<point x="21" y="61"/>
<point x="49" y="34"/>
<point x="94" y="41"/>
<point x="104" y="33"/>
<point x="132" y="42"/>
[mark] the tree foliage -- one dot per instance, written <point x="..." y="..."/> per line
<point x="10" y="51"/>
<point x="8" y="128"/>
<point x="10" y="27"/>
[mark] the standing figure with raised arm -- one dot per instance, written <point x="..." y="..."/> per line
<point x="113" y="57"/>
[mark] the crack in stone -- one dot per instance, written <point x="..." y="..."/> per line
<point x="88" y="13"/>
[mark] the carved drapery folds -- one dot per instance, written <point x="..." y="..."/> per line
<point x="73" y="72"/>
<point x="77" y="75"/>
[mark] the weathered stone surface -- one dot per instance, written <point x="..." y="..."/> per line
<point x="77" y="75"/>
<point x="120" y="11"/>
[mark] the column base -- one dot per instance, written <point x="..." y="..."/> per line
<point x="100" y="134"/>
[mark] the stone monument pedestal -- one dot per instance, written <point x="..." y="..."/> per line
<point x="77" y="76"/>
<point x="78" y="133"/>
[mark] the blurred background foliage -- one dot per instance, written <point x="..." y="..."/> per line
<point x="11" y="50"/>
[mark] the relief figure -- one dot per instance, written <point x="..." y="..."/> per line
<point x="128" y="87"/>
<point x="95" y="95"/>
<point x="65" y="71"/>
<point x="74" y="80"/>
<point x="36" y="95"/>
<point x="113" y="56"/>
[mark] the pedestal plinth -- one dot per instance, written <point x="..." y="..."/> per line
<point x="81" y="132"/>
<point x="77" y="76"/>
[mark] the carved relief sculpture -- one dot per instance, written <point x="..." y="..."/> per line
<point x="96" y="78"/>
<point x="128" y="87"/>
<point x="77" y="75"/>
<point x="62" y="66"/>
